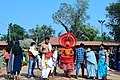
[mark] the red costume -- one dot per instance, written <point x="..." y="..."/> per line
<point x="67" y="40"/>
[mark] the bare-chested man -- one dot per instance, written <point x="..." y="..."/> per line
<point x="46" y="62"/>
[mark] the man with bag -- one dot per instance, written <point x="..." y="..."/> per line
<point x="45" y="49"/>
<point x="32" y="52"/>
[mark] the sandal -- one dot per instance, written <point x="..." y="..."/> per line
<point x="9" y="76"/>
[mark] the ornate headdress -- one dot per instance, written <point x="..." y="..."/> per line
<point x="67" y="39"/>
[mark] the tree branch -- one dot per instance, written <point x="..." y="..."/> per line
<point x="77" y="18"/>
<point x="66" y="28"/>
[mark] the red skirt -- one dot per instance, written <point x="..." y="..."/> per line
<point x="67" y="63"/>
<point x="67" y="66"/>
<point x="66" y="59"/>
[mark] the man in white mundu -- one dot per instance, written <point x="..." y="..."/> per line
<point x="46" y="62"/>
<point x="54" y="59"/>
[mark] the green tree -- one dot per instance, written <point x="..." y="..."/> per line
<point x="73" y="18"/>
<point x="103" y="38"/>
<point x="88" y="33"/>
<point x="106" y="37"/>
<point x="3" y="38"/>
<point x="47" y="31"/>
<point x="41" y="32"/>
<point x="17" y="32"/>
<point x="32" y="33"/>
<point x="98" y="38"/>
<point x="68" y="14"/>
<point x="113" y="15"/>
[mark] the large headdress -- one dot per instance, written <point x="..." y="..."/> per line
<point x="67" y="40"/>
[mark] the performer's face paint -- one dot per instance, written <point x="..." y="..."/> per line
<point x="67" y="44"/>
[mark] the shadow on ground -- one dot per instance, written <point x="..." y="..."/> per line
<point x="60" y="76"/>
<point x="4" y="75"/>
<point x="36" y="78"/>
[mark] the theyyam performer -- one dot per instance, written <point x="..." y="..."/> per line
<point x="67" y="40"/>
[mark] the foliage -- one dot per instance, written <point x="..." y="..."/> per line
<point x="113" y="14"/>
<point x="39" y="33"/>
<point x="98" y="38"/>
<point x="25" y="54"/>
<point x="75" y="16"/>
<point x="3" y="38"/>
<point x="17" y="32"/>
<point x="72" y="14"/>
<point x="88" y="33"/>
<point x="104" y="37"/>
<point x="47" y="31"/>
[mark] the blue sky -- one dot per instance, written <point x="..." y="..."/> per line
<point x="28" y="13"/>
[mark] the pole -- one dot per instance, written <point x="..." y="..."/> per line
<point x="37" y="38"/>
<point x="101" y="23"/>
<point x="9" y="32"/>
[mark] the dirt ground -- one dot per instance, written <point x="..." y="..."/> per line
<point x="112" y="75"/>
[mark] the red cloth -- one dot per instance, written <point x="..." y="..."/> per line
<point x="31" y="56"/>
<point x="67" y="67"/>
<point x="48" y="55"/>
<point x="67" y="55"/>
<point x="67" y="59"/>
<point x="6" y="55"/>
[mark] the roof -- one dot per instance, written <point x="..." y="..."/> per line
<point x="3" y="43"/>
<point x="97" y="43"/>
<point x="54" y="41"/>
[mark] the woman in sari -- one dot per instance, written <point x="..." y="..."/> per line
<point x="15" y="61"/>
<point x="102" y="63"/>
<point x="8" y="49"/>
<point x="91" y="64"/>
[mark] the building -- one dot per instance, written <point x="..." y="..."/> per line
<point x="92" y="44"/>
<point x="95" y="45"/>
<point x="3" y="44"/>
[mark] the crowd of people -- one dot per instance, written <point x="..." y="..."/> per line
<point x="50" y="57"/>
